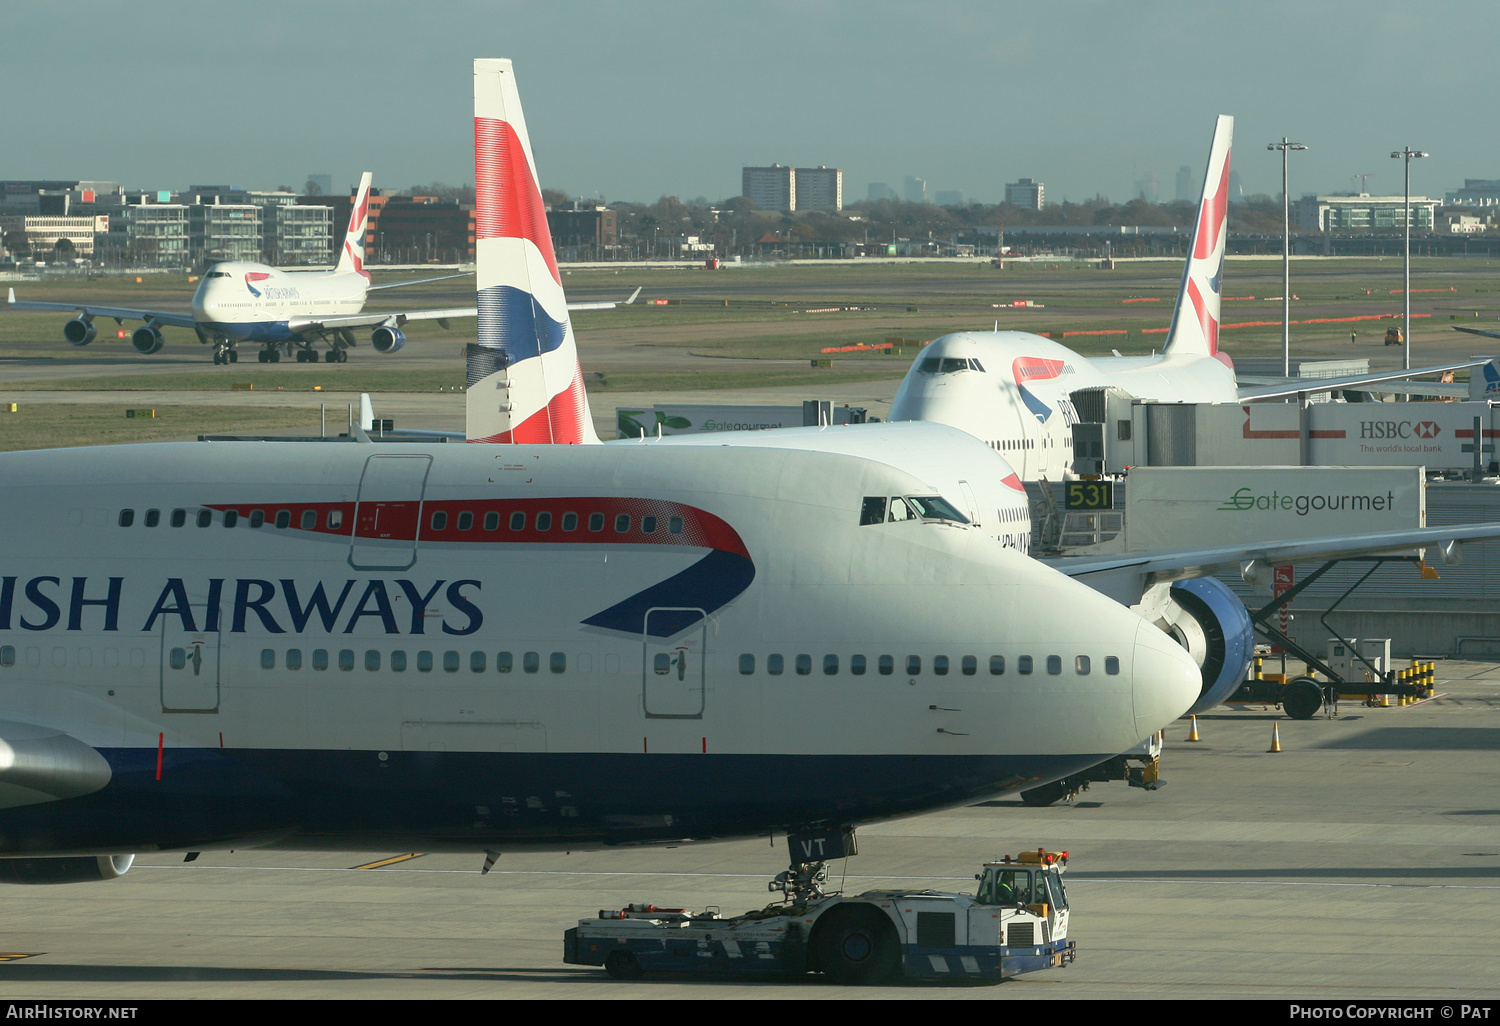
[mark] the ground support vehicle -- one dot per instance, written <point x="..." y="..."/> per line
<point x="1016" y="922"/>
<point x="1302" y="697"/>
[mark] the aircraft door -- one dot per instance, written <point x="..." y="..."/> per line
<point x="673" y="667"/>
<point x="388" y="516"/>
<point x="189" y="666"/>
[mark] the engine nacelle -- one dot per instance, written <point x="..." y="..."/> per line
<point x="387" y="339"/>
<point x="1207" y="619"/>
<point x="147" y="340"/>
<point x="68" y="869"/>
<point x="80" y="331"/>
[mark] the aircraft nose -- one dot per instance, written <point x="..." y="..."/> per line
<point x="1165" y="679"/>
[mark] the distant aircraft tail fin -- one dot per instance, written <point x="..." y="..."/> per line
<point x="352" y="256"/>
<point x="524" y="381"/>
<point x="1195" y="320"/>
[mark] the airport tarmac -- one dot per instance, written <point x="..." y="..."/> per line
<point x="1360" y="862"/>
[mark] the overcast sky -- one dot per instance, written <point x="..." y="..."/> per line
<point x="634" y="99"/>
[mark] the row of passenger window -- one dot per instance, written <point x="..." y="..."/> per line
<point x="422" y="662"/>
<point x="308" y="519"/>
<point x="543" y="522"/>
<point x="82" y="657"/>
<point x="885" y="665"/>
<point x="464" y="521"/>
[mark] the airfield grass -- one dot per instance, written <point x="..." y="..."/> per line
<point x="58" y="425"/>
<point x="768" y="323"/>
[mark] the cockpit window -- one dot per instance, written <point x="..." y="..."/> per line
<point x="949" y="365"/>
<point x="935" y="507"/>
<point x="217" y="274"/>
<point x="877" y="509"/>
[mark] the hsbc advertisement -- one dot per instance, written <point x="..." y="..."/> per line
<point x="1438" y="436"/>
<point x="1435" y="435"/>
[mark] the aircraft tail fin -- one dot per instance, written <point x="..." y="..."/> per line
<point x="352" y="256"/>
<point x="525" y="384"/>
<point x="1195" y="319"/>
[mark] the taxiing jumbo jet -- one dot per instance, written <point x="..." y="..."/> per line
<point x="485" y="647"/>
<point x="1018" y="392"/>
<point x="280" y="311"/>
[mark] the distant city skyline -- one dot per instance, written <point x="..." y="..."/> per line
<point x="1090" y="97"/>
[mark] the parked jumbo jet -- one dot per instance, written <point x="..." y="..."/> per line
<point x="1018" y="392"/>
<point x="497" y="647"/>
<point x="525" y="385"/>
<point x="280" y="311"/>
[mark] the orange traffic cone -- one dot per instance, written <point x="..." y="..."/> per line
<point x="1275" y="740"/>
<point x="1193" y="733"/>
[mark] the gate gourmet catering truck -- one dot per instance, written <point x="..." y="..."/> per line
<point x="1016" y="922"/>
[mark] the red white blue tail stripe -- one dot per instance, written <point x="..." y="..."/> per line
<point x="524" y="381"/>
<point x="352" y="256"/>
<point x="1195" y="321"/>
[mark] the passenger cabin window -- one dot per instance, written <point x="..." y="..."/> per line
<point x="570" y="521"/>
<point x="887" y="665"/>
<point x="775" y="665"/>
<point x="179" y="517"/>
<point x="439" y="520"/>
<point x="1054" y="665"/>
<point x="465" y="521"/>
<point x="596" y="521"/>
<point x="518" y="521"/>
<point x="1023" y="665"/>
<point x="492" y="521"/>
<point x="153" y="517"/>
<point x="283" y="518"/>
<point x="127" y="517"/>
<point x="1111" y="665"/>
<point x="309" y="519"/>
<point x="997" y="666"/>
<point x="747" y="664"/>
<point x="1081" y="666"/>
<point x="857" y="665"/>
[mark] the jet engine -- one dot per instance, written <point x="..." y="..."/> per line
<point x="80" y="331"/>
<point x="147" y="340"/>
<point x="70" y="869"/>
<point x="1207" y="619"/>
<point x="386" y="339"/>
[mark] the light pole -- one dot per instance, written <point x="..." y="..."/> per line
<point x="1285" y="146"/>
<point x="1406" y="153"/>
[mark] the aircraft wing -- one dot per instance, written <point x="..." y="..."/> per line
<point x="1477" y="331"/>
<point x="1298" y="386"/>
<point x="603" y="306"/>
<point x="397" y="318"/>
<point x="118" y="313"/>
<point x="1153" y="567"/>
<point x="393" y="318"/>
<point x="419" y="281"/>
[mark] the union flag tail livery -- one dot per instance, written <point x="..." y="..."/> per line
<point x="1195" y="321"/>
<point x="352" y="256"/>
<point x="524" y="381"/>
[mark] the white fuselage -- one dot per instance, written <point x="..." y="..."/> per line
<point x="1011" y="390"/>
<point x="246" y="301"/>
<point x="466" y="647"/>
